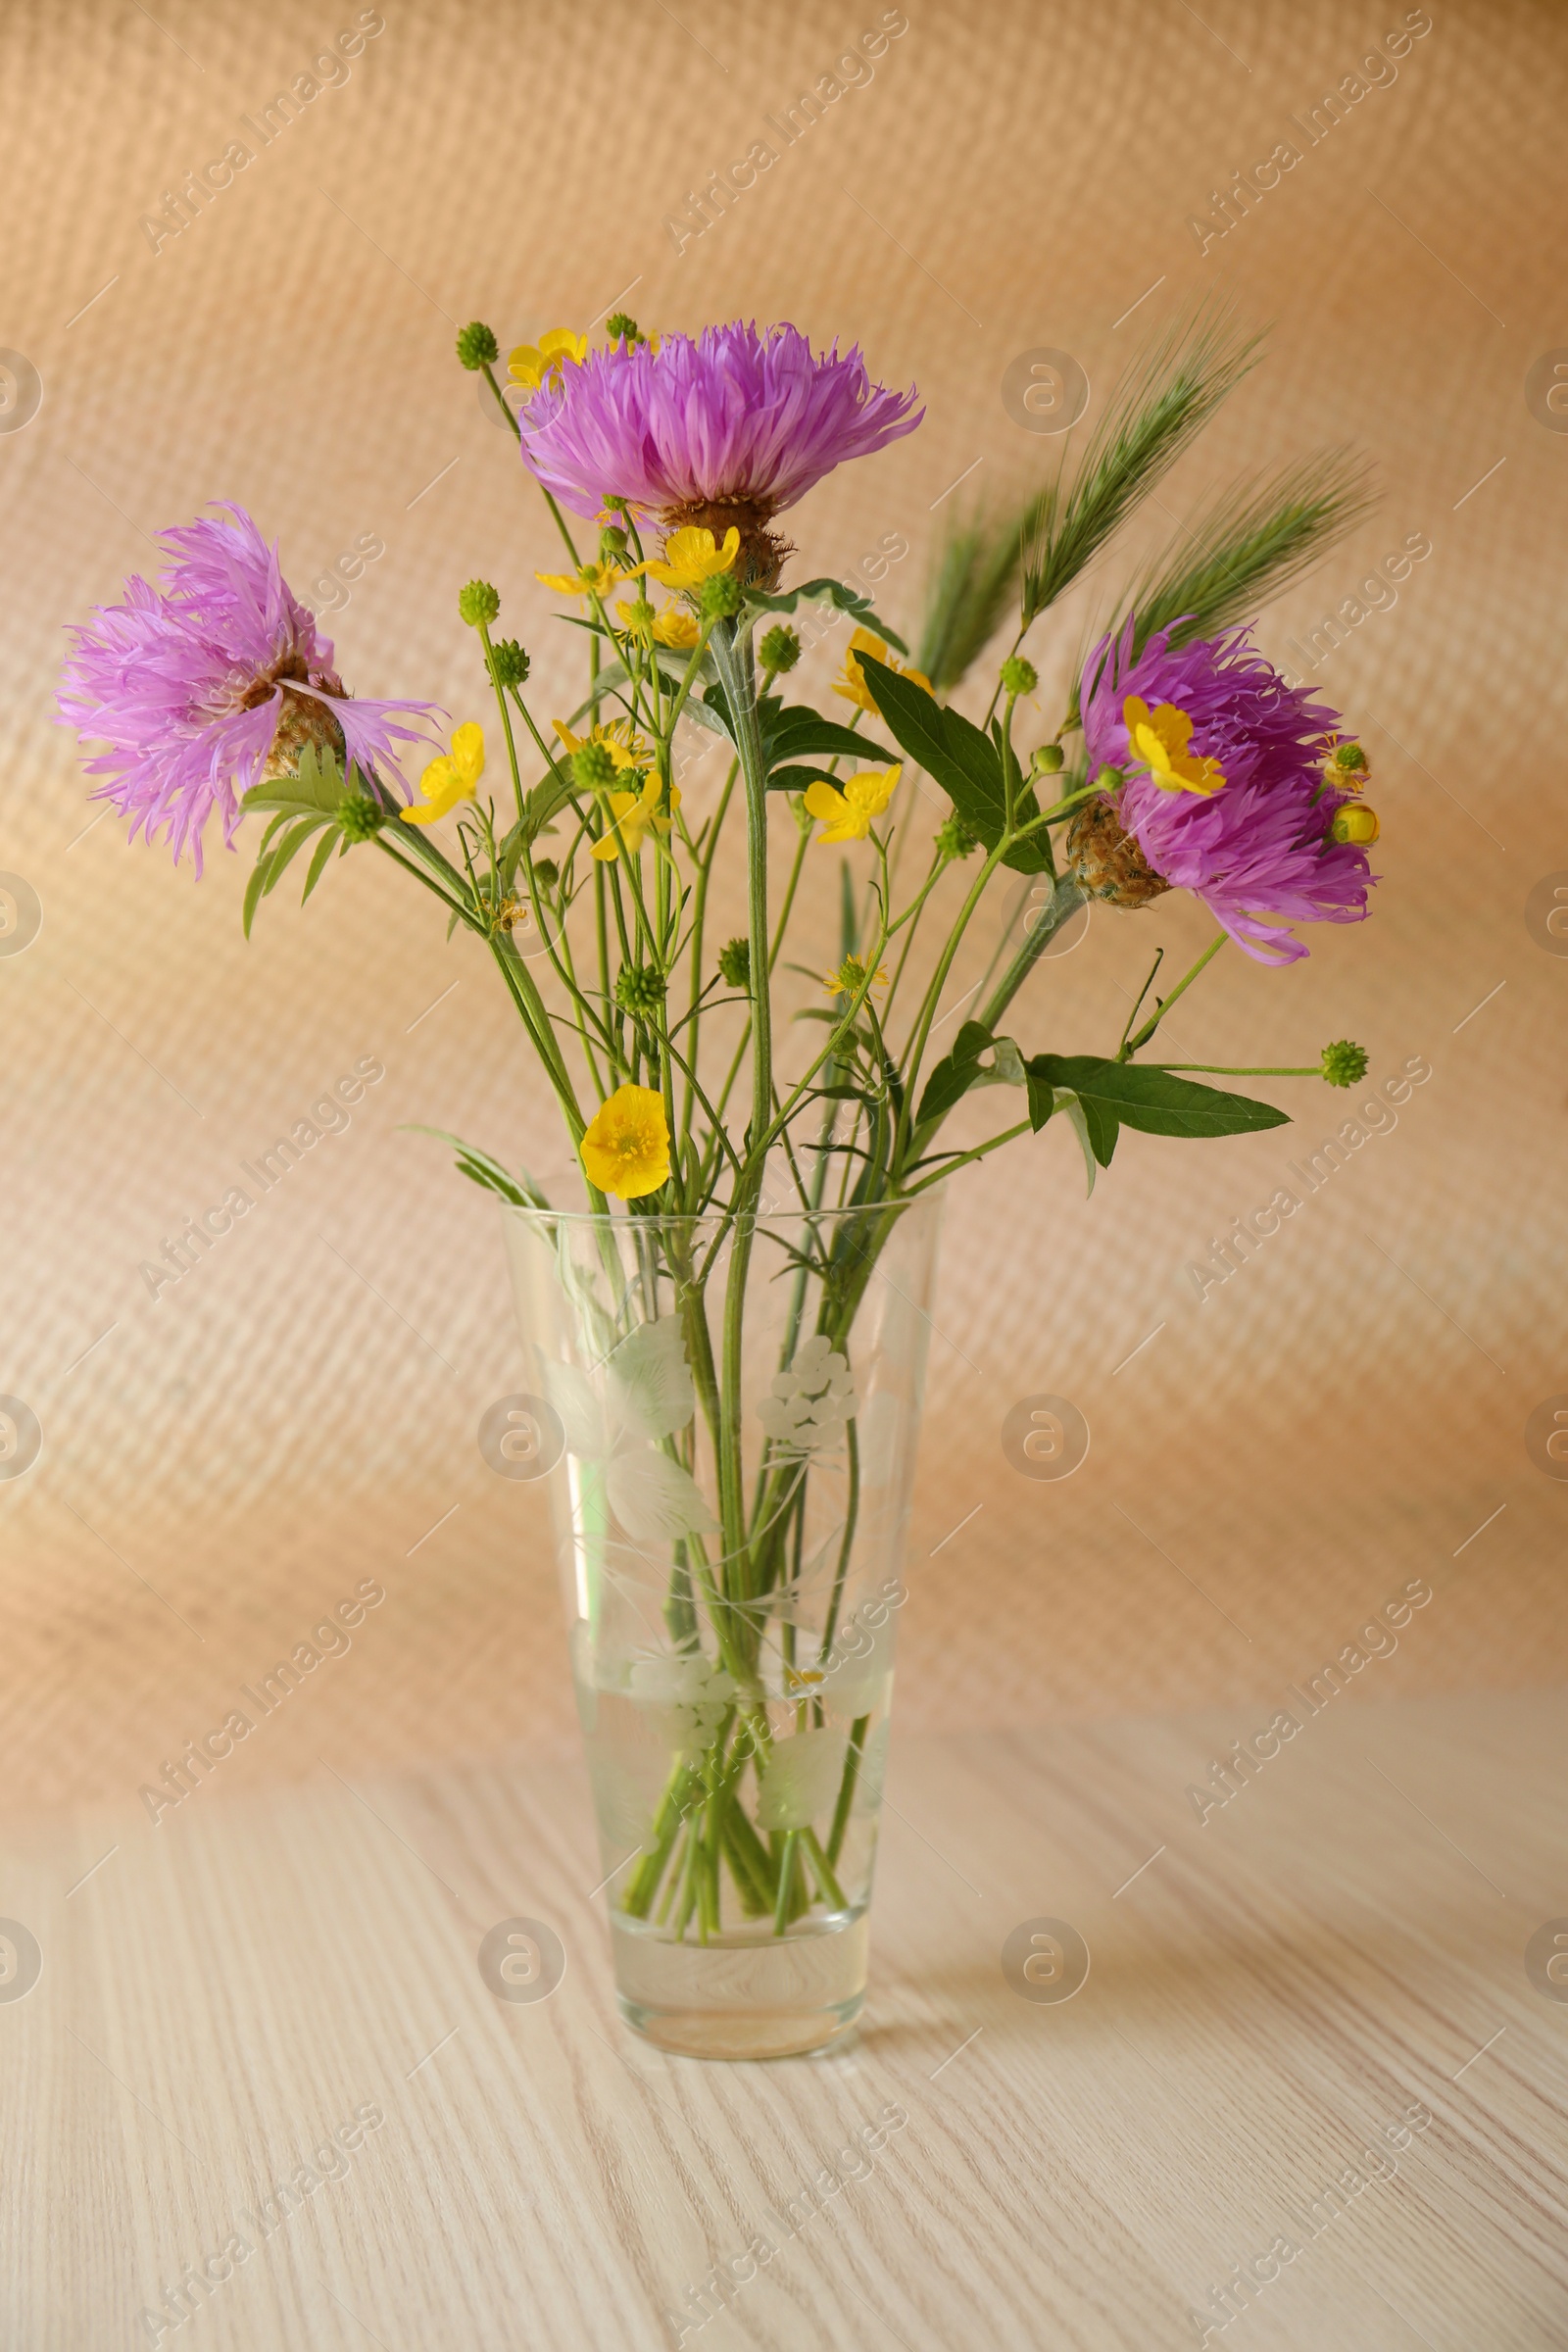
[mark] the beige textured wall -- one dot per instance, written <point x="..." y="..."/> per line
<point x="228" y="1461"/>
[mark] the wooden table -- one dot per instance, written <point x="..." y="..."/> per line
<point x="1327" y="1974"/>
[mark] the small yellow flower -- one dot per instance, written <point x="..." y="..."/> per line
<point x="626" y="749"/>
<point x="589" y="579"/>
<point x="692" y="556"/>
<point x="1356" y="823"/>
<point x="625" y="1146"/>
<point x="1159" y="738"/>
<point x="850" y="978"/>
<point x="632" y="813"/>
<point x="848" y="813"/>
<point x="1346" y="767"/>
<point x="853" y="685"/>
<point x="671" y="628"/>
<point x="678" y="629"/>
<point x="453" y="777"/>
<point x="530" y="365"/>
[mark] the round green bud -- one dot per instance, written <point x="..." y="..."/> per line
<point x="546" y="872"/>
<point x="477" y="604"/>
<point x="476" y="345"/>
<point x="719" y="598"/>
<point x="359" y="817"/>
<point x="1345" y="1064"/>
<point x="592" y="769"/>
<point x="640" y="991"/>
<point x="611" y="539"/>
<point x="779" y="650"/>
<point x="1049" y="759"/>
<point x="621" y="327"/>
<point x="1020" y="676"/>
<point x="954" y="839"/>
<point x="508" y="664"/>
<point x="735" y="962"/>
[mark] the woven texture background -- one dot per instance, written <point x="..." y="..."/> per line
<point x="300" y="1411"/>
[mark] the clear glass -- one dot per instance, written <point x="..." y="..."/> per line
<point x="729" y="1414"/>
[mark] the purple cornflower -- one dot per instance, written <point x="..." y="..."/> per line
<point x="208" y="682"/>
<point x="1225" y="789"/>
<point x="725" y="429"/>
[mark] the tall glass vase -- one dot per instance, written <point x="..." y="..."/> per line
<point x="733" y="1408"/>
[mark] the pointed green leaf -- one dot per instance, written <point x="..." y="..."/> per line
<point x="824" y="591"/>
<point x="1155" y="1100"/>
<point x="961" y="758"/>
<point x="330" y="840"/>
<point x="798" y="732"/>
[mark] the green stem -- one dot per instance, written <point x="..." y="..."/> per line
<point x="1166" y="1003"/>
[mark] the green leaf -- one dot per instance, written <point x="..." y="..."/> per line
<point x="796" y="779"/>
<point x="478" y="1166"/>
<point x="330" y="840"/>
<point x="963" y="1068"/>
<point x="1086" y="1142"/>
<point x="1154" y="1100"/>
<point x="961" y="758"/>
<point x="316" y="790"/>
<point x="817" y="591"/>
<point x="798" y="732"/>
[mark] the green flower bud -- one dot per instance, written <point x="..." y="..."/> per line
<point x="359" y="817"/>
<point x="476" y="345"/>
<point x="719" y="598"/>
<point x="779" y="650"/>
<point x="640" y="991"/>
<point x="508" y="664"/>
<point x="592" y="769"/>
<point x="620" y="327"/>
<point x="477" y="604"/>
<point x="546" y="872"/>
<point x="1345" y="1064"/>
<point x="954" y="839"/>
<point x="735" y="962"/>
<point x="1018" y="676"/>
<point x="1049" y="759"/>
<point x="611" y="541"/>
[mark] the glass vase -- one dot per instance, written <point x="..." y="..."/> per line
<point x="728" y="1411"/>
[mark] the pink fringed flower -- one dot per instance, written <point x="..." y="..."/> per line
<point x="1225" y="791"/>
<point x="207" y="683"/>
<point x="726" y="430"/>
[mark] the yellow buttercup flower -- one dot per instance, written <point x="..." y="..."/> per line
<point x="625" y="1146"/>
<point x="589" y="579"/>
<point x="530" y="363"/>
<point x="451" y="778"/>
<point x="673" y="626"/>
<point x="1159" y="738"/>
<point x="633" y="812"/>
<point x="852" y="686"/>
<point x="848" y="813"/>
<point x="692" y="556"/>
<point x="627" y="748"/>
<point x="678" y="629"/>
<point x="851" y="978"/>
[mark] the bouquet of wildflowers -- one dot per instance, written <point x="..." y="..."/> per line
<point x="559" y="842"/>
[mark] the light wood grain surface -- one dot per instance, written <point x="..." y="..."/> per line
<point x="1269" y="1995"/>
